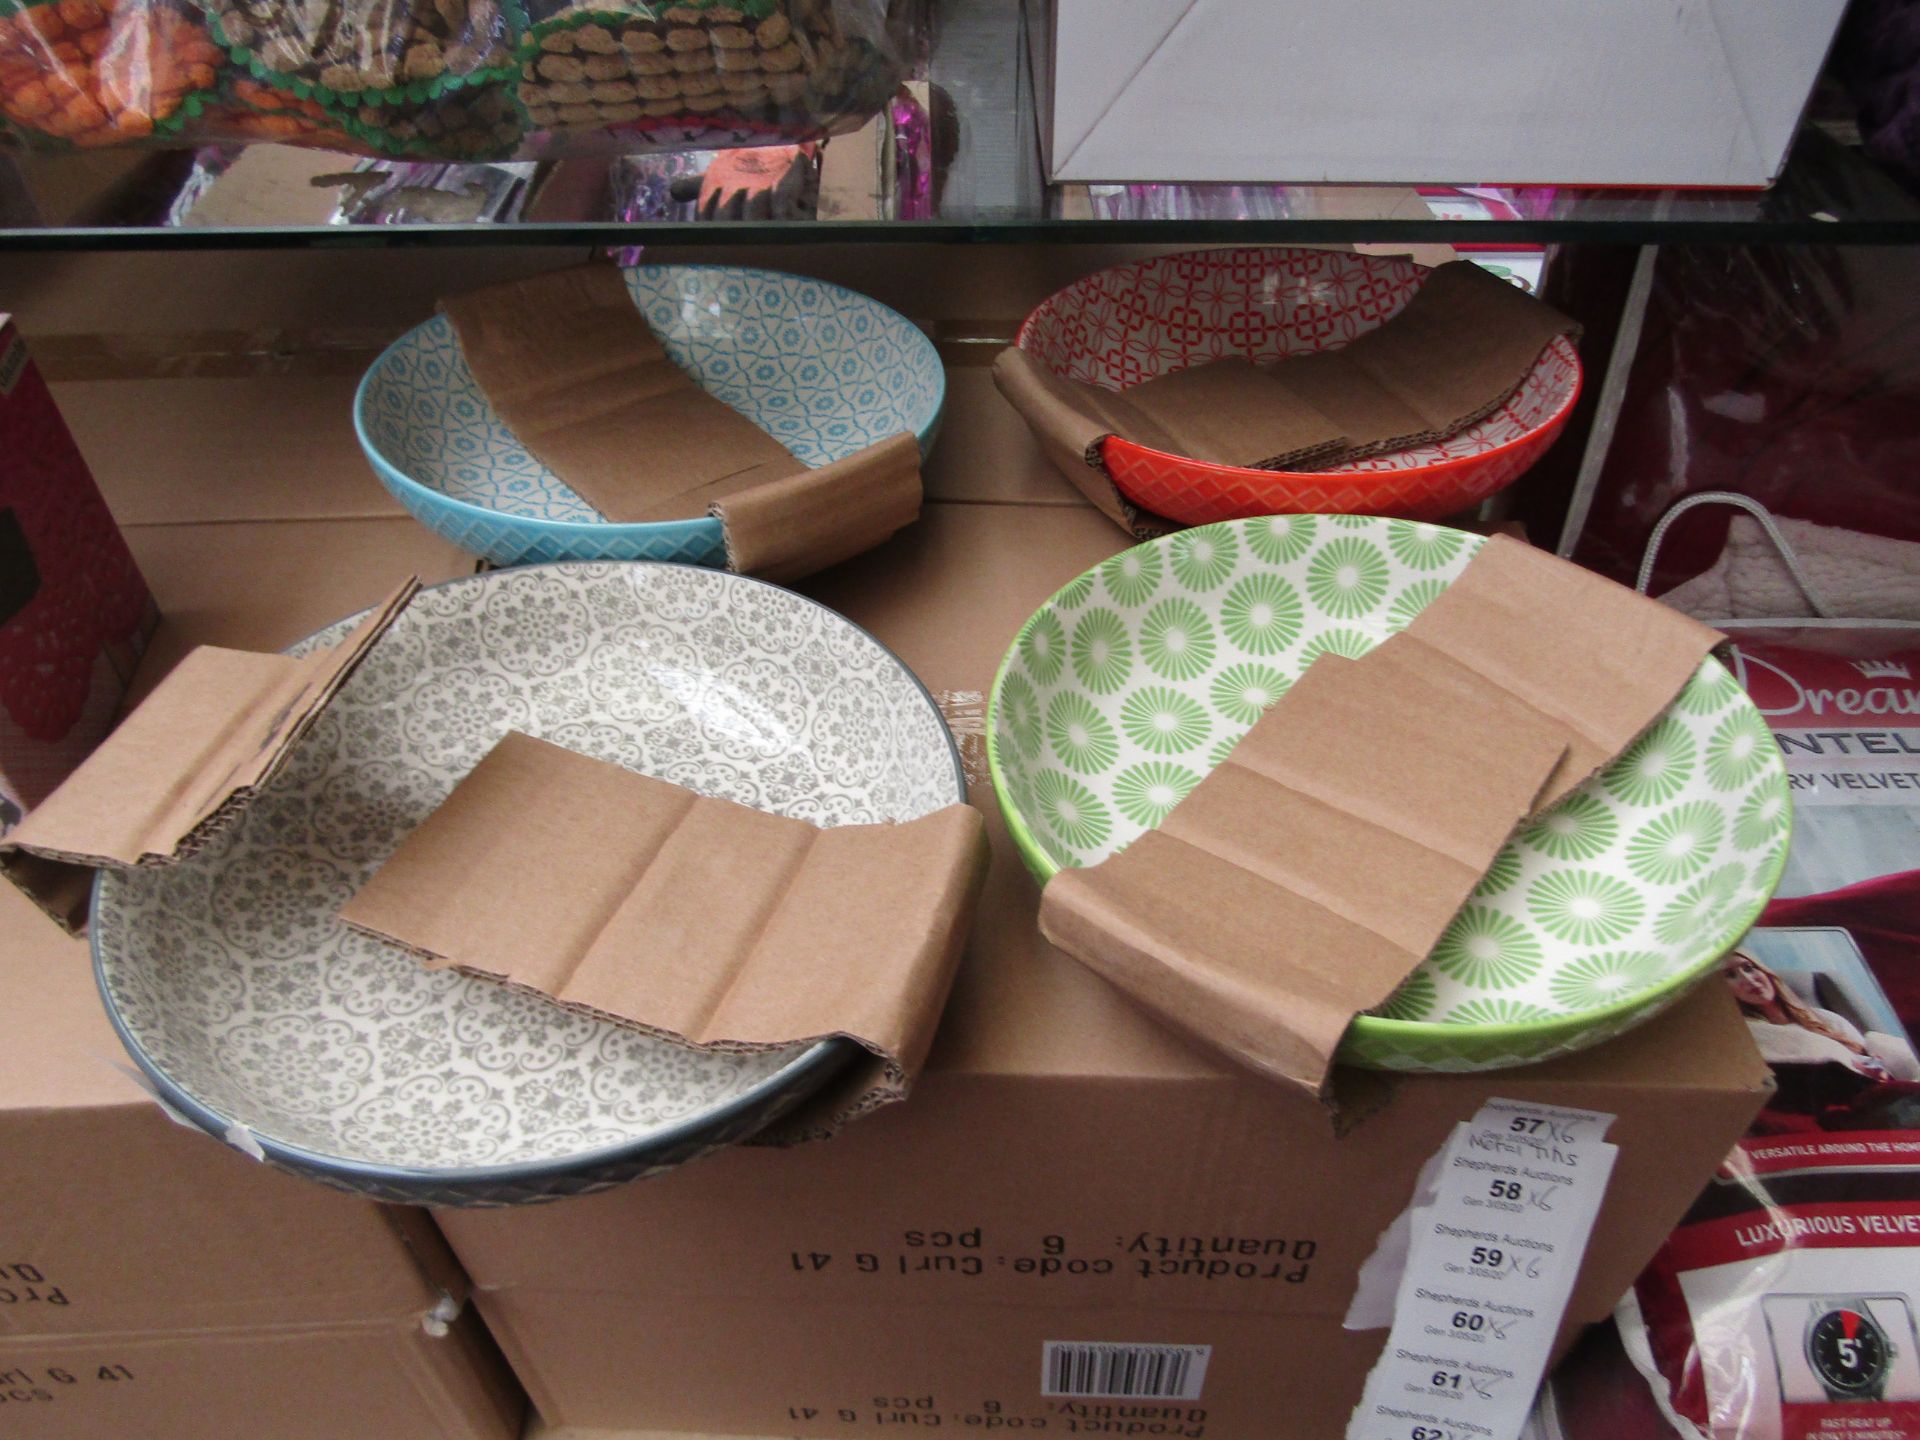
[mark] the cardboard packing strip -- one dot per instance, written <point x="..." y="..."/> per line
<point x="177" y="769"/>
<point x="1451" y="356"/>
<point x="692" y="918"/>
<point x="1301" y="882"/>
<point x="572" y="367"/>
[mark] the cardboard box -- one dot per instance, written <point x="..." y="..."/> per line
<point x="1066" y="1169"/>
<point x="75" y="614"/>
<point x="155" y="1284"/>
<point x="1633" y="92"/>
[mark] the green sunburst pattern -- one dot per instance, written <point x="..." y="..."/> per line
<point x="1243" y="692"/>
<point x="1655" y="767"/>
<point x="1081" y="736"/>
<point x="1487" y="950"/>
<point x="1584" y="907"/>
<point x="1676" y="843"/>
<point x="1070" y="812"/>
<point x="1425" y="547"/>
<point x="1280" y="538"/>
<point x="1075" y="592"/>
<point x="1578" y="828"/>
<point x="1740" y="749"/>
<point x="1711" y="688"/>
<point x="1761" y="816"/>
<point x="1496" y="1010"/>
<point x="1348" y="576"/>
<point x="1412" y="600"/>
<point x="1043" y="648"/>
<point x="1261" y="614"/>
<point x="1351" y="643"/>
<point x="1019" y="715"/>
<point x="1176" y="639"/>
<point x="1102" y="651"/>
<point x="1700" y="910"/>
<point x="1146" y="793"/>
<point x="1591" y="981"/>
<point x="1504" y="870"/>
<point x="1203" y="558"/>
<point x="1414" y="1000"/>
<point x="1132" y="576"/>
<point x="1162" y="720"/>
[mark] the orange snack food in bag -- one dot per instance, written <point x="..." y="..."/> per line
<point x="259" y="111"/>
<point x="102" y="72"/>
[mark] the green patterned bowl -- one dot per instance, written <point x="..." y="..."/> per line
<point x="1134" y="681"/>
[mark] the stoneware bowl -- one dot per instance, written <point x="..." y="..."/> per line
<point x="823" y="370"/>
<point x="265" y="1021"/>
<point x="1134" y="681"/>
<point x="1131" y="323"/>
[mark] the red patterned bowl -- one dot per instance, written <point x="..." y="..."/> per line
<point x="1133" y="322"/>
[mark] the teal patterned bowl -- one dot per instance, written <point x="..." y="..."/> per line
<point x="1135" y="680"/>
<point x="822" y="369"/>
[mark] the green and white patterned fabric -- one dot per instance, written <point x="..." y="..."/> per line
<point x="1136" y="680"/>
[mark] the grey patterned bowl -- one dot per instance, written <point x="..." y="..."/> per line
<point x="266" y="1022"/>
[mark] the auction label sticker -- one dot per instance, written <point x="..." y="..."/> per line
<point x="1493" y="1255"/>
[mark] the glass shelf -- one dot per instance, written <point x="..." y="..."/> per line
<point x="987" y="185"/>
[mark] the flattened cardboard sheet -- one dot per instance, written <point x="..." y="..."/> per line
<point x="1071" y="423"/>
<point x="785" y="529"/>
<point x="1598" y="659"/>
<point x="210" y="736"/>
<point x="572" y="367"/>
<point x="1301" y="882"/>
<point x="1451" y="356"/>
<point x="638" y="901"/>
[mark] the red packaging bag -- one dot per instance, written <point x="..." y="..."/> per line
<point x="75" y="613"/>
<point x="1787" y="1305"/>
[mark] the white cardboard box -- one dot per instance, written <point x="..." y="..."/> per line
<point x="1567" y="92"/>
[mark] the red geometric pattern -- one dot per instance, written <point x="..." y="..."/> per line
<point x="1125" y="325"/>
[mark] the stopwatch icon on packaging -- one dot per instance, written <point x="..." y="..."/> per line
<point x="1840" y="1347"/>
<point x="1848" y="1351"/>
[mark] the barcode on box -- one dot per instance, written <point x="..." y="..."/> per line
<point x="1096" y="1369"/>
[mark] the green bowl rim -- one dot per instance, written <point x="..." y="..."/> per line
<point x="1537" y="1037"/>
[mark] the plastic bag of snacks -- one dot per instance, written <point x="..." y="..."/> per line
<point x="476" y="123"/>
<point x="249" y="109"/>
<point x="448" y="79"/>
<point x="703" y="72"/>
<point x="384" y="51"/>
<point x="103" y="72"/>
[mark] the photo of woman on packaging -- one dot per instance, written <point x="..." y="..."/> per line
<point x="1820" y="1018"/>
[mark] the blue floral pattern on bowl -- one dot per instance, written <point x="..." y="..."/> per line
<point x="822" y="369"/>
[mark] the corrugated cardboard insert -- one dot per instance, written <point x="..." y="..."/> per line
<point x="638" y="901"/>
<point x="571" y="366"/>
<point x="1303" y="880"/>
<point x="215" y="731"/>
